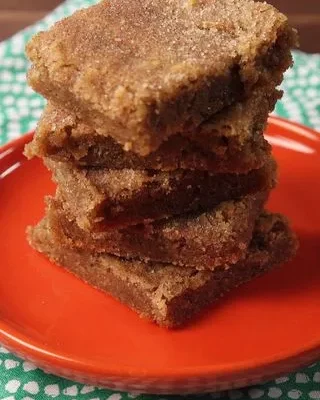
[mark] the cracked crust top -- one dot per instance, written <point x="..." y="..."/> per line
<point x="142" y="70"/>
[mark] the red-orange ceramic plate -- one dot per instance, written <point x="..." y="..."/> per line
<point x="264" y="329"/>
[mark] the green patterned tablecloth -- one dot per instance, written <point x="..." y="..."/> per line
<point x="20" y="108"/>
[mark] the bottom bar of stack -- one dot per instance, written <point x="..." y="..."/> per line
<point x="171" y="295"/>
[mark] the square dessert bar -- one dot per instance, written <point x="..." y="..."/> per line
<point x="205" y="240"/>
<point x="167" y="294"/>
<point x="99" y="198"/>
<point x="231" y="141"/>
<point x="141" y="71"/>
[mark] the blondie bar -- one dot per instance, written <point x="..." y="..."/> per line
<point x="231" y="141"/>
<point x="141" y="71"/>
<point x="167" y="294"/>
<point x="205" y="240"/>
<point x="99" y="198"/>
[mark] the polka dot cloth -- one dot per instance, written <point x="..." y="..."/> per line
<point x="20" y="108"/>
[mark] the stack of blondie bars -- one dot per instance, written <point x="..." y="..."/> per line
<point x="154" y="135"/>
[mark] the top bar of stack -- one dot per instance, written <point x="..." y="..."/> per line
<point x="141" y="71"/>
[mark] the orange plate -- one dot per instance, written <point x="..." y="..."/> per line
<point x="264" y="329"/>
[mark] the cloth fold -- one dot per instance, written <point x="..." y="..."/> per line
<point x="20" y="109"/>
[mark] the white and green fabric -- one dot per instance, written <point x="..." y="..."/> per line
<point x="20" y="109"/>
